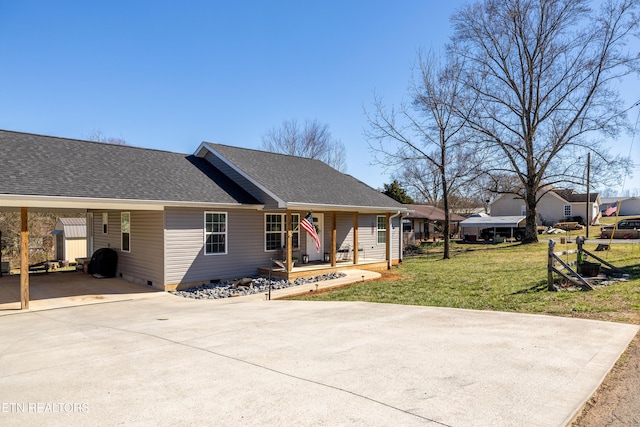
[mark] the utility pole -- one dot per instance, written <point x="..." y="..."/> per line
<point x="588" y="193"/>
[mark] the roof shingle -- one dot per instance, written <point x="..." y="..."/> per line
<point x="299" y="180"/>
<point x="50" y="166"/>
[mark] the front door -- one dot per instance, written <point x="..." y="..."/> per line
<point x="318" y="221"/>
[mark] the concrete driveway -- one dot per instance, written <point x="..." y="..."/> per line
<point x="165" y="360"/>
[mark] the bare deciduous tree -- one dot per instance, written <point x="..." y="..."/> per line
<point x="422" y="179"/>
<point x="543" y="74"/>
<point x="98" y="136"/>
<point x="428" y="134"/>
<point x="312" y="140"/>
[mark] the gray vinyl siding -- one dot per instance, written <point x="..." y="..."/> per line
<point x="243" y="182"/>
<point x="144" y="262"/>
<point x="185" y="259"/>
<point x="344" y="230"/>
<point x="368" y="237"/>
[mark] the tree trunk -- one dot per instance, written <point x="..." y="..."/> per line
<point x="445" y="201"/>
<point x="531" y="227"/>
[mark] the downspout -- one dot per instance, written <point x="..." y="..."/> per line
<point x="390" y="260"/>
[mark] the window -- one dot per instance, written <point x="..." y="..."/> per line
<point x="215" y="233"/>
<point x="105" y="222"/>
<point x="382" y="229"/>
<point x="275" y="231"/>
<point x="567" y="210"/>
<point x="125" y="230"/>
<point x="523" y="210"/>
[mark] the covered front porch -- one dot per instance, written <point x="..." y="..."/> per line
<point x="374" y="233"/>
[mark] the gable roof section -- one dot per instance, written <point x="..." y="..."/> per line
<point x="431" y="213"/>
<point x="302" y="182"/>
<point x="49" y="167"/>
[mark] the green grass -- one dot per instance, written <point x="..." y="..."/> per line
<point x="505" y="277"/>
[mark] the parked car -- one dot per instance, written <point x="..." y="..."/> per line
<point x="568" y="225"/>
<point x="628" y="228"/>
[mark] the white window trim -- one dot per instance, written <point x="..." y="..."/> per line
<point x="205" y="233"/>
<point x="283" y="232"/>
<point x="122" y="214"/>
<point x="378" y="229"/>
<point x="564" y="210"/>
<point x="105" y="222"/>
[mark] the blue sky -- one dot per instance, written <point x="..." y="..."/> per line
<point x="169" y="75"/>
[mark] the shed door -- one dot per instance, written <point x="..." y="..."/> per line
<point x="60" y="246"/>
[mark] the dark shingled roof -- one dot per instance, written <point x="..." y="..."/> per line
<point x="573" y="197"/>
<point x="49" y="166"/>
<point x="305" y="181"/>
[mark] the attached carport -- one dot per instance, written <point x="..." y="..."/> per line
<point x="495" y="222"/>
<point x="62" y="206"/>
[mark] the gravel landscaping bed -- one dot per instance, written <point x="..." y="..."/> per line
<point x="248" y="286"/>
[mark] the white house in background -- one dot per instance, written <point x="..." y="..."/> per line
<point x="628" y="206"/>
<point x="71" y="238"/>
<point x="554" y="206"/>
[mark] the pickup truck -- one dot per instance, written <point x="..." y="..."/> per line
<point x="628" y="228"/>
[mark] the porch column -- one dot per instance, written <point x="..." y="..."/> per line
<point x="333" y="239"/>
<point x="355" y="238"/>
<point x="388" y="241"/>
<point x="24" y="259"/>
<point x="289" y="221"/>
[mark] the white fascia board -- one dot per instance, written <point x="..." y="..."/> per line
<point x="200" y="153"/>
<point x="83" y="203"/>
<point x="347" y="208"/>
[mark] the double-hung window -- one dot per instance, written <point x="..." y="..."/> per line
<point x="275" y="231"/>
<point x="567" y="210"/>
<point x="215" y="233"/>
<point x="382" y="229"/>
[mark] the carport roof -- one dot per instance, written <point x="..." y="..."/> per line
<point x="493" y="221"/>
<point x="36" y="167"/>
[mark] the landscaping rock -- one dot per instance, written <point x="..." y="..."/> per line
<point x="248" y="286"/>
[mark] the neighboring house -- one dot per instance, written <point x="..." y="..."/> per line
<point x="223" y="212"/>
<point x="71" y="238"/>
<point x="628" y="206"/>
<point x="426" y="222"/>
<point x="553" y="207"/>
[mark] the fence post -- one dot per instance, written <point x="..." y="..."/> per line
<point x="550" y="264"/>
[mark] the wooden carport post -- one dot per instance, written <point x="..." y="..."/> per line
<point x="24" y="259"/>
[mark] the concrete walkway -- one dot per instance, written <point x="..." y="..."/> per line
<point x="165" y="360"/>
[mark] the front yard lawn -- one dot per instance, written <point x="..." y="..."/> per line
<point x="504" y="277"/>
